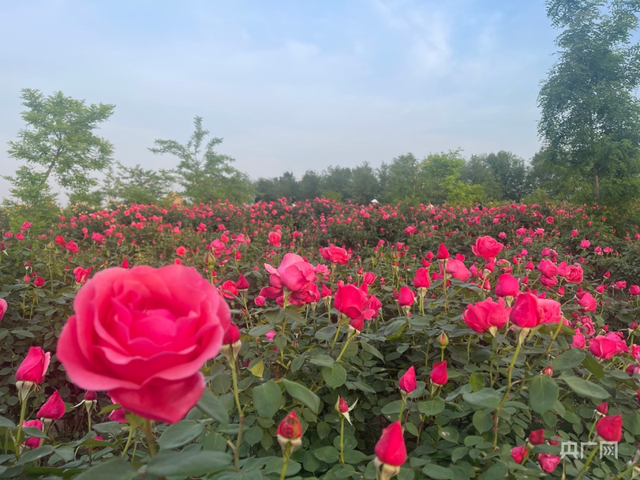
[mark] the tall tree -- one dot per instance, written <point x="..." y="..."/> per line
<point x="204" y="174"/>
<point x="58" y="143"/>
<point x="590" y="117"/>
<point x="364" y="184"/>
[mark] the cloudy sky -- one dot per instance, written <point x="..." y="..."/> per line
<point x="290" y="85"/>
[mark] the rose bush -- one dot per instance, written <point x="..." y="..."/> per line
<point x="494" y="401"/>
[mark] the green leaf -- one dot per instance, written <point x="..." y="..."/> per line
<point x="335" y="376"/>
<point x="593" y="366"/>
<point x="354" y="456"/>
<point x="302" y="394"/>
<point x="569" y="359"/>
<point x="23" y="333"/>
<point x="371" y="350"/>
<point x="431" y="407"/>
<point x="543" y="393"/>
<point x="450" y="434"/>
<point x="482" y="420"/>
<point x="109" y="409"/>
<point x="585" y="388"/>
<point x="437" y="472"/>
<point x="187" y="464"/>
<point x="180" y="434"/>
<point x="487" y="398"/>
<point x="391" y="408"/>
<point x="326" y="333"/>
<point x="260" y="330"/>
<point x="267" y="399"/>
<point x="326" y="454"/>
<point x="33" y="455"/>
<point x="476" y="382"/>
<point x="6" y="423"/>
<point x="322" y="360"/>
<point x="210" y="405"/>
<point x="114" y="469"/>
<point x="33" y="432"/>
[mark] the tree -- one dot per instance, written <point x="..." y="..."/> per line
<point x="441" y="176"/>
<point x="401" y="180"/>
<point x="58" y="142"/>
<point x="138" y="185"/>
<point x="336" y="183"/>
<point x="590" y="117"/>
<point x="503" y="175"/>
<point x="204" y="174"/>
<point x="364" y="184"/>
<point x="310" y="185"/>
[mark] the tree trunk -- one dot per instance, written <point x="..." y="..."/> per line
<point x="597" y="185"/>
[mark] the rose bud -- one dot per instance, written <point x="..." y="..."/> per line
<point x="3" y="307"/>
<point x="633" y="326"/>
<point x="548" y="462"/>
<point x="439" y="374"/>
<point x="290" y="432"/>
<point x="555" y="440"/>
<point x="33" y="442"/>
<point x="610" y="428"/>
<point x="536" y="437"/>
<point x="407" y="382"/>
<point x="231" y="342"/>
<point x="259" y="301"/>
<point x="518" y="453"/>
<point x="421" y="281"/>
<point x="548" y="371"/>
<point x="31" y="371"/>
<point x="507" y="286"/>
<point x="603" y="408"/>
<point x="242" y="284"/>
<point x="443" y="253"/>
<point x="391" y="452"/>
<point x="343" y="408"/>
<point x="52" y="409"/>
<point x="443" y="340"/>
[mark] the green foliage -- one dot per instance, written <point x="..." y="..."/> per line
<point x="138" y="185"/>
<point x="204" y="174"/>
<point x="590" y="117"/>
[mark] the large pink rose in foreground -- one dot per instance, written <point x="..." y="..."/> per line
<point x="143" y="334"/>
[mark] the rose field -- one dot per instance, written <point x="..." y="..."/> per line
<point x="321" y="340"/>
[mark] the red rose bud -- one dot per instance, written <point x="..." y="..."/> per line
<point x="32" y="371"/>
<point x="633" y="326"/>
<point x="38" y="282"/>
<point x="231" y="342"/>
<point x="242" y="283"/>
<point x="610" y="428"/>
<point x="603" y="408"/>
<point x="421" y="281"/>
<point x="518" y="453"/>
<point x="325" y="292"/>
<point x="33" y="442"/>
<point x="507" y="286"/>
<point x="406" y="297"/>
<point x="536" y="437"/>
<point x="391" y="452"/>
<point x="439" y="374"/>
<point x="526" y="313"/>
<point x="118" y="415"/>
<point x="443" y="253"/>
<point x="90" y="396"/>
<point x="548" y="371"/>
<point x="52" y="409"/>
<point x="443" y="340"/>
<point x="555" y="440"/>
<point x="548" y="462"/>
<point x="407" y="382"/>
<point x="290" y="432"/>
<point x="343" y="406"/>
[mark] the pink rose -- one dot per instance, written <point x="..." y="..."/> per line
<point x="486" y="314"/>
<point x="548" y="268"/>
<point x="587" y="302"/>
<point x="551" y="310"/>
<point x="607" y="346"/>
<point x="487" y="248"/>
<point x="335" y="255"/>
<point x="507" y="286"/>
<point x="457" y="269"/>
<point x="574" y="274"/>
<point x="33" y="442"/>
<point x="34" y="366"/>
<point x="296" y="275"/>
<point x="3" y="307"/>
<point x="353" y="302"/>
<point x="143" y="334"/>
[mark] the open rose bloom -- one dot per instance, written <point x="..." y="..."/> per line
<point x="143" y="334"/>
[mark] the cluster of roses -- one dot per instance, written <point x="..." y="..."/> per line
<point x="29" y="375"/>
<point x="608" y="429"/>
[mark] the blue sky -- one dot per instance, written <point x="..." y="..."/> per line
<point x="289" y="85"/>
